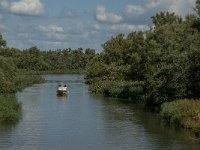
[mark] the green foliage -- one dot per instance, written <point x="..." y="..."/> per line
<point x="2" y="41"/>
<point x="34" y="61"/>
<point x="197" y="7"/>
<point x="10" y="109"/>
<point x="194" y="74"/>
<point x="165" y="18"/>
<point x="10" y="78"/>
<point x="66" y="59"/>
<point x="22" y="81"/>
<point x="7" y="75"/>
<point x="12" y="61"/>
<point x="89" y="55"/>
<point x="165" y="60"/>
<point x="8" y="68"/>
<point x="126" y="90"/>
<point x="183" y="113"/>
<point x="118" y="89"/>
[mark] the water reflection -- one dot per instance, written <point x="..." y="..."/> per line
<point x="62" y="97"/>
<point x="81" y="120"/>
<point x="127" y="125"/>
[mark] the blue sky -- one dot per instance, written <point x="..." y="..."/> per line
<point x="58" y="24"/>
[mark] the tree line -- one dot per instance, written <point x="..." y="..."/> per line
<point x="155" y="66"/>
<point x="15" y="62"/>
<point x="38" y="60"/>
<point x="17" y="69"/>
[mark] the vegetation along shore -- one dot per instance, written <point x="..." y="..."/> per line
<point x="158" y="68"/>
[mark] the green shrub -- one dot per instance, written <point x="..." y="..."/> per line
<point x="10" y="108"/>
<point x="23" y="81"/>
<point x="118" y="89"/>
<point x="183" y="113"/>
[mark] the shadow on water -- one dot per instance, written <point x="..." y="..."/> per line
<point x="62" y="97"/>
<point x="147" y="124"/>
<point x="4" y="127"/>
<point x="81" y="120"/>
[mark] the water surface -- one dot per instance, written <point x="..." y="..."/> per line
<point x="82" y="121"/>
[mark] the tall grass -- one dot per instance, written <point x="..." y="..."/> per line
<point x="23" y="81"/>
<point x="183" y="113"/>
<point x="118" y="89"/>
<point x="9" y="108"/>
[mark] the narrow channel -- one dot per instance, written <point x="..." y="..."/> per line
<point x="83" y="121"/>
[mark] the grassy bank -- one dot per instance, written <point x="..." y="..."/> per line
<point x="23" y="81"/>
<point x="10" y="109"/>
<point x="183" y="113"/>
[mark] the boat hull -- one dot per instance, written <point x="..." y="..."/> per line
<point x="60" y="92"/>
<point x="62" y="89"/>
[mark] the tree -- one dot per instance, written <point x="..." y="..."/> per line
<point x="114" y="48"/>
<point x="8" y="72"/>
<point x="157" y="66"/>
<point x="2" y="41"/>
<point x="196" y="20"/>
<point x="165" y="18"/>
<point x="197" y="7"/>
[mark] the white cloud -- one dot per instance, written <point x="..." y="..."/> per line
<point x="51" y="28"/>
<point x="2" y="27"/>
<point x="80" y="26"/>
<point x="179" y="7"/>
<point x="56" y="36"/>
<point x="24" y="7"/>
<point x="80" y="31"/>
<point x="85" y="35"/>
<point x="70" y="13"/>
<point x="52" y="31"/>
<point x="135" y="10"/>
<point x="153" y="4"/>
<point x="103" y="16"/>
<point x="23" y="35"/>
<point x="182" y="8"/>
<point x="4" y="4"/>
<point x="150" y="7"/>
<point x="96" y="27"/>
<point x="128" y="27"/>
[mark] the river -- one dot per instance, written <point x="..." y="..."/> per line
<point x="83" y="121"/>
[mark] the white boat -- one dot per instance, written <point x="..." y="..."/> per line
<point x="62" y="89"/>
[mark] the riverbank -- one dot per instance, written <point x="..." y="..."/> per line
<point x="107" y="123"/>
<point x="10" y="108"/>
<point x="183" y="113"/>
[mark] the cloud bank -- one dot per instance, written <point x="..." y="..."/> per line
<point x="103" y="16"/>
<point x="24" y="7"/>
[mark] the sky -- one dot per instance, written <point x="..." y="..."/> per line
<point x="60" y="24"/>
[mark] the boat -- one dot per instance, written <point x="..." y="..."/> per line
<point x="62" y="89"/>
